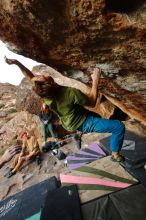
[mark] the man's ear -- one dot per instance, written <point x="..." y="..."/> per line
<point x="50" y="80"/>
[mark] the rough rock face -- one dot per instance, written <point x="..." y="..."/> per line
<point x="18" y="123"/>
<point x="17" y="107"/>
<point x="26" y="99"/>
<point x="113" y="96"/>
<point x="7" y="102"/>
<point x="7" y="97"/>
<point x="77" y="33"/>
<point x="80" y="34"/>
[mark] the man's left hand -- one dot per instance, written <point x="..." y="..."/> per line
<point x="96" y="74"/>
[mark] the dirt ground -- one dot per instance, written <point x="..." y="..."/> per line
<point x="31" y="173"/>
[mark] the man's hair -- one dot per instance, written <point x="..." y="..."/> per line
<point x="44" y="89"/>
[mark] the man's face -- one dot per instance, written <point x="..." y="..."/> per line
<point x="43" y="78"/>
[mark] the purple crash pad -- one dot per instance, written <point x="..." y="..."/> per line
<point x="84" y="156"/>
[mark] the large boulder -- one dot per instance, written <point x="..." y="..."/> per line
<point x="26" y="99"/>
<point x="21" y="121"/>
<point x="77" y="33"/>
<point x="7" y="102"/>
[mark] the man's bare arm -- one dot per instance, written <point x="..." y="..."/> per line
<point x="92" y="96"/>
<point x="26" y="72"/>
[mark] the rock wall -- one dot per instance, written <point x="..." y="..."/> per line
<point x="18" y="109"/>
<point x="7" y="102"/>
<point x="111" y="95"/>
<point x="21" y="121"/>
<point x="26" y="99"/>
<point x="77" y="33"/>
<point x="74" y="36"/>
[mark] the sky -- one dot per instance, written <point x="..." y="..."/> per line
<point x="12" y="73"/>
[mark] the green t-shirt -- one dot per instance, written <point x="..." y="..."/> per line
<point x="68" y="104"/>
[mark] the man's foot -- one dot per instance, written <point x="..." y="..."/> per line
<point x="11" y="173"/>
<point x="118" y="158"/>
<point x="77" y="139"/>
<point x="8" y="171"/>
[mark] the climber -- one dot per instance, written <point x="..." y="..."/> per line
<point x="9" y="153"/>
<point x="30" y="150"/>
<point x="70" y="103"/>
<point x="45" y="117"/>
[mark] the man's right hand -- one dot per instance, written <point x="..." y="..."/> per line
<point x="10" y="61"/>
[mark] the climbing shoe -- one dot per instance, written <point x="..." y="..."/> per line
<point x="8" y="171"/>
<point x="11" y="173"/>
<point x="118" y="159"/>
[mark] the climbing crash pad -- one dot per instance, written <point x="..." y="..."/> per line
<point x="28" y="202"/>
<point x="126" y="204"/>
<point x="85" y="156"/>
<point x="134" y="151"/>
<point x="133" y="148"/>
<point x="98" y="178"/>
<point x="62" y="204"/>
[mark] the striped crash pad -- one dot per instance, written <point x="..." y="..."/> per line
<point x="98" y="178"/>
<point x="134" y="151"/>
<point x="85" y="156"/>
<point x="133" y="148"/>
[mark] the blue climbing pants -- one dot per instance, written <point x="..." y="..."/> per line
<point x="101" y="125"/>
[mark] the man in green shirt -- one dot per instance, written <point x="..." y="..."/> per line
<point x="71" y="118"/>
<point x="70" y="103"/>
